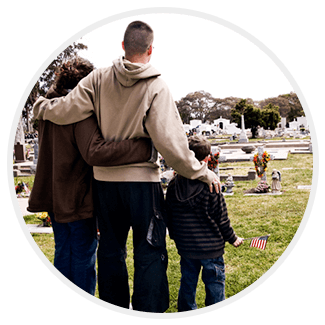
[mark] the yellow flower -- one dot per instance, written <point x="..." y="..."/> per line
<point x="42" y="215"/>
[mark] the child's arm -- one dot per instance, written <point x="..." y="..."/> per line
<point x="219" y="213"/>
<point x="98" y="152"/>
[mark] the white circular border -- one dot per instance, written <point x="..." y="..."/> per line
<point x="262" y="47"/>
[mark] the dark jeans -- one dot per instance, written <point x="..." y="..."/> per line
<point x="121" y="205"/>
<point x="75" y="252"/>
<point x="213" y="276"/>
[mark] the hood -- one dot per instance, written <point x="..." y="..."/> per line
<point x="187" y="189"/>
<point x="128" y="73"/>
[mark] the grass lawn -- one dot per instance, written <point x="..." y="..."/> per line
<point x="250" y="216"/>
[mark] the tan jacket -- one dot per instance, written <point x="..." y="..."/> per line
<point x="130" y="101"/>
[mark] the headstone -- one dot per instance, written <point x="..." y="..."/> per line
<point x="19" y="152"/>
<point x="242" y="136"/>
<point x="304" y="187"/>
<point x="19" y="145"/>
<point x="33" y="167"/>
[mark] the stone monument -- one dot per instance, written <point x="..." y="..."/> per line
<point x="229" y="184"/>
<point x="276" y="181"/>
<point x="19" y="145"/>
<point x="242" y="136"/>
<point x="33" y="167"/>
<point x="260" y="151"/>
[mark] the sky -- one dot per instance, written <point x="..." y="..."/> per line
<point x="194" y="54"/>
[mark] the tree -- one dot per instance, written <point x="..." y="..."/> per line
<point x="46" y="79"/>
<point x="289" y="105"/>
<point x="270" y="116"/>
<point x="252" y="115"/>
<point x="195" y="106"/>
<point x="222" y="107"/>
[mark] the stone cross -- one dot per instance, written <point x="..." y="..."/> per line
<point x="260" y="151"/>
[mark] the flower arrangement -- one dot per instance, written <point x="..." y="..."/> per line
<point x="22" y="189"/>
<point x="262" y="187"/>
<point x="45" y="218"/>
<point x="261" y="162"/>
<point x="213" y="161"/>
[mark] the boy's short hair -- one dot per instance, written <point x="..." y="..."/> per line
<point x="200" y="145"/>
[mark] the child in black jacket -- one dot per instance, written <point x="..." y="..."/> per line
<point x="198" y="223"/>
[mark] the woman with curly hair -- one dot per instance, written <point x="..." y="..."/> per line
<point x="64" y="176"/>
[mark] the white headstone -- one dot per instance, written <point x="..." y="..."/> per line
<point x="242" y="136"/>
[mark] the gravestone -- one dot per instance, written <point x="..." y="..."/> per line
<point x="33" y="167"/>
<point x="19" y="145"/>
<point x="19" y="152"/>
<point x="242" y="136"/>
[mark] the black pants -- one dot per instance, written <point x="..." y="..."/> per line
<point x="119" y="206"/>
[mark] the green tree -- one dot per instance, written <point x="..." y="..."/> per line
<point x="270" y="116"/>
<point x="252" y="115"/>
<point x="289" y="105"/>
<point x="46" y="79"/>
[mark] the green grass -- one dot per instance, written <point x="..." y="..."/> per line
<point x="250" y="216"/>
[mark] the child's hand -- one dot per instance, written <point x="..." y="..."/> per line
<point x="238" y="242"/>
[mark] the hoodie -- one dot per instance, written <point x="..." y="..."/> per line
<point x="197" y="220"/>
<point x="130" y="100"/>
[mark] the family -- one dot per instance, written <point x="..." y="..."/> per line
<point x="98" y="176"/>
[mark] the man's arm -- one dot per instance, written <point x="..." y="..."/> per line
<point x="75" y="107"/>
<point x="165" y="128"/>
<point x="98" y="152"/>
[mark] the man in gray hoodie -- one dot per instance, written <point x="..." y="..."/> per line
<point x="130" y="100"/>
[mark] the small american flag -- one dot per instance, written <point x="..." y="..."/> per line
<point x="26" y="188"/>
<point x="259" y="242"/>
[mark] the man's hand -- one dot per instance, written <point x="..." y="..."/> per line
<point x="216" y="184"/>
<point x="238" y="242"/>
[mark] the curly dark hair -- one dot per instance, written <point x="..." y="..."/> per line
<point x="71" y="72"/>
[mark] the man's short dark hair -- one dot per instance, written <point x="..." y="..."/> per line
<point x="137" y="38"/>
<point x="200" y="145"/>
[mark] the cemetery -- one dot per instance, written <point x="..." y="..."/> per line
<point x="266" y="185"/>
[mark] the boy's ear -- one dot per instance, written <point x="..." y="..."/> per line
<point x="206" y="159"/>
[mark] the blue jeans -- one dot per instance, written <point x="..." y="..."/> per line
<point x="213" y="276"/>
<point x="75" y="252"/>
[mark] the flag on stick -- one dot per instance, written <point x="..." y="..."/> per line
<point x="259" y="242"/>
